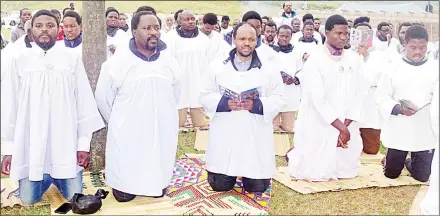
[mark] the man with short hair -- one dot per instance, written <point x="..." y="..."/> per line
<point x="403" y="97"/>
<point x="398" y="49"/>
<point x="115" y="36"/>
<point x="288" y="12"/>
<point x="270" y="35"/>
<point x="217" y="45"/>
<point x="296" y="25"/>
<point x="383" y="36"/>
<point x="48" y="115"/>
<point x="58" y="15"/>
<point x="148" y="106"/>
<point x="264" y="21"/>
<point x="18" y="31"/>
<point x="327" y="141"/>
<point x="288" y="59"/>
<point x="225" y="28"/>
<point x="73" y="34"/>
<point x="123" y="23"/>
<point x="191" y="48"/>
<point x="241" y="124"/>
<point x="307" y="18"/>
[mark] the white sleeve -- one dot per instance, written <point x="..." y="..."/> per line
<point x="209" y="93"/>
<point x="105" y="92"/>
<point x="89" y="119"/>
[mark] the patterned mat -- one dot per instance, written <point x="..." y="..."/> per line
<point x="191" y="190"/>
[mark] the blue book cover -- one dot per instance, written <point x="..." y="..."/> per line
<point x="284" y="75"/>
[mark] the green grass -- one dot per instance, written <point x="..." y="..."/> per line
<point x="287" y="202"/>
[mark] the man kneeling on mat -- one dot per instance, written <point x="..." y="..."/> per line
<point x="241" y="126"/>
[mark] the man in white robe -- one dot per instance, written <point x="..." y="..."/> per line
<point x="403" y="96"/>
<point x="73" y="31"/>
<point x="429" y="205"/>
<point x="327" y="140"/>
<point x="244" y="123"/>
<point x="115" y="36"/>
<point x="217" y="44"/>
<point x="397" y="50"/>
<point x="48" y="115"/>
<point x="287" y="57"/>
<point x="383" y="36"/>
<point x="191" y="50"/>
<point x="140" y="87"/>
<point x="307" y="44"/>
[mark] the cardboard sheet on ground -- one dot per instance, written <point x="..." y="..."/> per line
<point x="140" y="205"/>
<point x="370" y="175"/>
<point x="281" y="140"/>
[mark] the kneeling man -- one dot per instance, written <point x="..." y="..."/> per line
<point x="137" y="94"/>
<point x="241" y="94"/>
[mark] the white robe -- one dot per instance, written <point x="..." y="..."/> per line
<point x="218" y="46"/>
<point x="414" y="83"/>
<point x="120" y="39"/>
<point x="372" y="71"/>
<point x="298" y="35"/>
<point x="429" y="205"/>
<point x="379" y="45"/>
<point x="292" y="93"/>
<point x="231" y="134"/>
<point x="330" y="90"/>
<point x="192" y="55"/>
<point x="139" y="100"/>
<point x="303" y="48"/>
<point x="48" y="113"/>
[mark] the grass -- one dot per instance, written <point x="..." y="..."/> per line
<point x="287" y="202"/>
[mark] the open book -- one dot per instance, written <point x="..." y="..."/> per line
<point x="361" y="37"/>
<point x="408" y="104"/>
<point x="248" y="94"/>
<point x="284" y="75"/>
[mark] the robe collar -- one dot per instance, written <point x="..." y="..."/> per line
<point x="259" y="41"/>
<point x="283" y="49"/>
<point x="27" y="41"/>
<point x="181" y="33"/>
<point x="305" y="40"/>
<point x="413" y="63"/>
<point x="125" y="28"/>
<point x="292" y="14"/>
<point x="73" y="43"/>
<point x="160" y="46"/>
<point x="111" y="31"/>
<point x="255" y="61"/>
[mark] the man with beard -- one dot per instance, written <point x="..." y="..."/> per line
<point x="403" y="97"/>
<point x="241" y="124"/>
<point x="288" y="14"/>
<point x="191" y="49"/>
<point x="288" y="58"/>
<point x="49" y="116"/>
<point x="115" y="36"/>
<point x="270" y="33"/>
<point x="383" y="34"/>
<point x="17" y="32"/>
<point x="140" y="87"/>
<point x="73" y="31"/>
<point x="327" y="141"/>
<point x="218" y="46"/>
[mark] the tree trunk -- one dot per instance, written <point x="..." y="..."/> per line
<point x="94" y="54"/>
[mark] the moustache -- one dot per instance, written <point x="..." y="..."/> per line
<point x="45" y="34"/>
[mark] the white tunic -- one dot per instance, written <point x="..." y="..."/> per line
<point x="372" y="71"/>
<point x="139" y="100"/>
<point x="233" y="133"/>
<point x="292" y="93"/>
<point x="218" y="46"/>
<point x="413" y="83"/>
<point x="429" y="204"/>
<point x="192" y="57"/>
<point x="50" y="115"/>
<point x="298" y="35"/>
<point x="330" y="90"/>
<point x="120" y="39"/>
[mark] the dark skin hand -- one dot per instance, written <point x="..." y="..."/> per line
<point x="288" y="81"/>
<point x="344" y="134"/>
<point x="236" y="105"/>
<point x="407" y="111"/>
<point x="83" y="158"/>
<point x="6" y="164"/>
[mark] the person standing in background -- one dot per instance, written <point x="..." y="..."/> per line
<point x="17" y="32"/>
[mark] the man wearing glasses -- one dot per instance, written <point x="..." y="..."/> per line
<point x="383" y="36"/>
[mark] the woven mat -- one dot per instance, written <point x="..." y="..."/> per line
<point x="370" y="175"/>
<point x="192" y="191"/>
<point x="92" y="182"/>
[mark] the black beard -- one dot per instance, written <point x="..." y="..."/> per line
<point x="243" y="55"/>
<point x="44" y="45"/>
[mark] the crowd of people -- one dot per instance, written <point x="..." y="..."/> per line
<point x="251" y="78"/>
